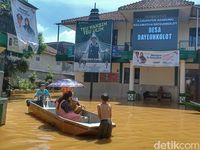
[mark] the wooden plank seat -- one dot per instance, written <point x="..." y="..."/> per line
<point x="164" y="95"/>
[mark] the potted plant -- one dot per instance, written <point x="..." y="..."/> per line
<point x="184" y="97"/>
<point x="131" y="95"/>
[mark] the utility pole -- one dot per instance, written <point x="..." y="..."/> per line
<point x="94" y="16"/>
<point x="58" y="35"/>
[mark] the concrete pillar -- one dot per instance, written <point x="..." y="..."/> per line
<point x="182" y="76"/>
<point x="1" y="81"/>
<point x="132" y="76"/>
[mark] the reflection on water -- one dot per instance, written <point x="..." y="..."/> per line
<point x="138" y="127"/>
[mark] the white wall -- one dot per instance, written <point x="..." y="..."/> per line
<point x="124" y="32"/>
<point x="45" y="61"/>
<point x="79" y="76"/>
<point x="157" y="76"/>
<point x="183" y="32"/>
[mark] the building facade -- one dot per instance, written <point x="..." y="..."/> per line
<point x="46" y="62"/>
<point x="6" y="26"/>
<point x="127" y="76"/>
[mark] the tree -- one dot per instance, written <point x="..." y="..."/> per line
<point x="12" y="66"/>
<point x="49" y="76"/>
<point x="33" y="77"/>
<point x="21" y="65"/>
<point x="5" y="7"/>
<point x="42" y="45"/>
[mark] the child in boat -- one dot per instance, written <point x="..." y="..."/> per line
<point x="105" y="114"/>
<point x="64" y="109"/>
<point x="76" y="106"/>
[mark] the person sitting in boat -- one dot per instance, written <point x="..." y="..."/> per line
<point x="105" y="113"/>
<point x="41" y="95"/>
<point x="66" y="89"/>
<point x="76" y="106"/>
<point x="64" y="108"/>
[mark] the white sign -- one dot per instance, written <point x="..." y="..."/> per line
<point x="12" y="43"/>
<point x="25" y="25"/>
<point x="156" y="58"/>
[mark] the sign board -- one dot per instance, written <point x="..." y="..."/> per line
<point x="93" y="46"/>
<point x="25" y="25"/>
<point x="156" y="58"/>
<point x="155" y="30"/>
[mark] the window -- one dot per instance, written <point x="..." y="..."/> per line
<point x="115" y="37"/>
<point x="192" y="37"/>
<point x="89" y="75"/>
<point x="10" y="42"/>
<point x="137" y="76"/>
<point x="58" y="63"/>
<point x="131" y="37"/>
<point x="37" y="58"/>
<point x="127" y="75"/>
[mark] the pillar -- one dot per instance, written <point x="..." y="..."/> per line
<point x="1" y="81"/>
<point x="182" y="76"/>
<point x="132" y="76"/>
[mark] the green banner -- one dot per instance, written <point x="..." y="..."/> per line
<point x="93" y="46"/>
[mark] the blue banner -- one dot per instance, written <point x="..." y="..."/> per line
<point x="155" y="30"/>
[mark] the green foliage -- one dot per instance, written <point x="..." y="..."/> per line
<point x="42" y="45"/>
<point x="22" y="66"/>
<point x="14" y="66"/>
<point x="49" y="76"/>
<point x="33" y="77"/>
<point x="5" y="8"/>
<point x="28" y="53"/>
<point x="25" y="84"/>
<point x="9" y="68"/>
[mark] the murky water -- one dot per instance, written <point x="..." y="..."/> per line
<point x="138" y="128"/>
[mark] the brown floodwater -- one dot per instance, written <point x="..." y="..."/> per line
<point x="138" y="128"/>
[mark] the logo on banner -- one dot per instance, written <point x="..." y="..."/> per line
<point x="25" y="25"/>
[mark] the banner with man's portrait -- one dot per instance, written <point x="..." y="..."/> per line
<point x="93" y="46"/>
<point x="156" y="58"/>
<point x="24" y="18"/>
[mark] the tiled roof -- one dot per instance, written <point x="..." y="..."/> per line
<point x="115" y="16"/>
<point x="61" y="48"/>
<point x="51" y="51"/>
<point x="150" y="4"/>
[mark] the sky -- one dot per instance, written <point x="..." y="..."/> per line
<point x="50" y="12"/>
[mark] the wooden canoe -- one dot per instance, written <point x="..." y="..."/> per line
<point x="191" y="104"/>
<point x="65" y="125"/>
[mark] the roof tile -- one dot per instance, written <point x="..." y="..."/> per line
<point x="115" y="16"/>
<point x="150" y="4"/>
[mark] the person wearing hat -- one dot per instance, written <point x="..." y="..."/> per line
<point x="42" y="94"/>
<point x="93" y="51"/>
<point x="105" y="114"/>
